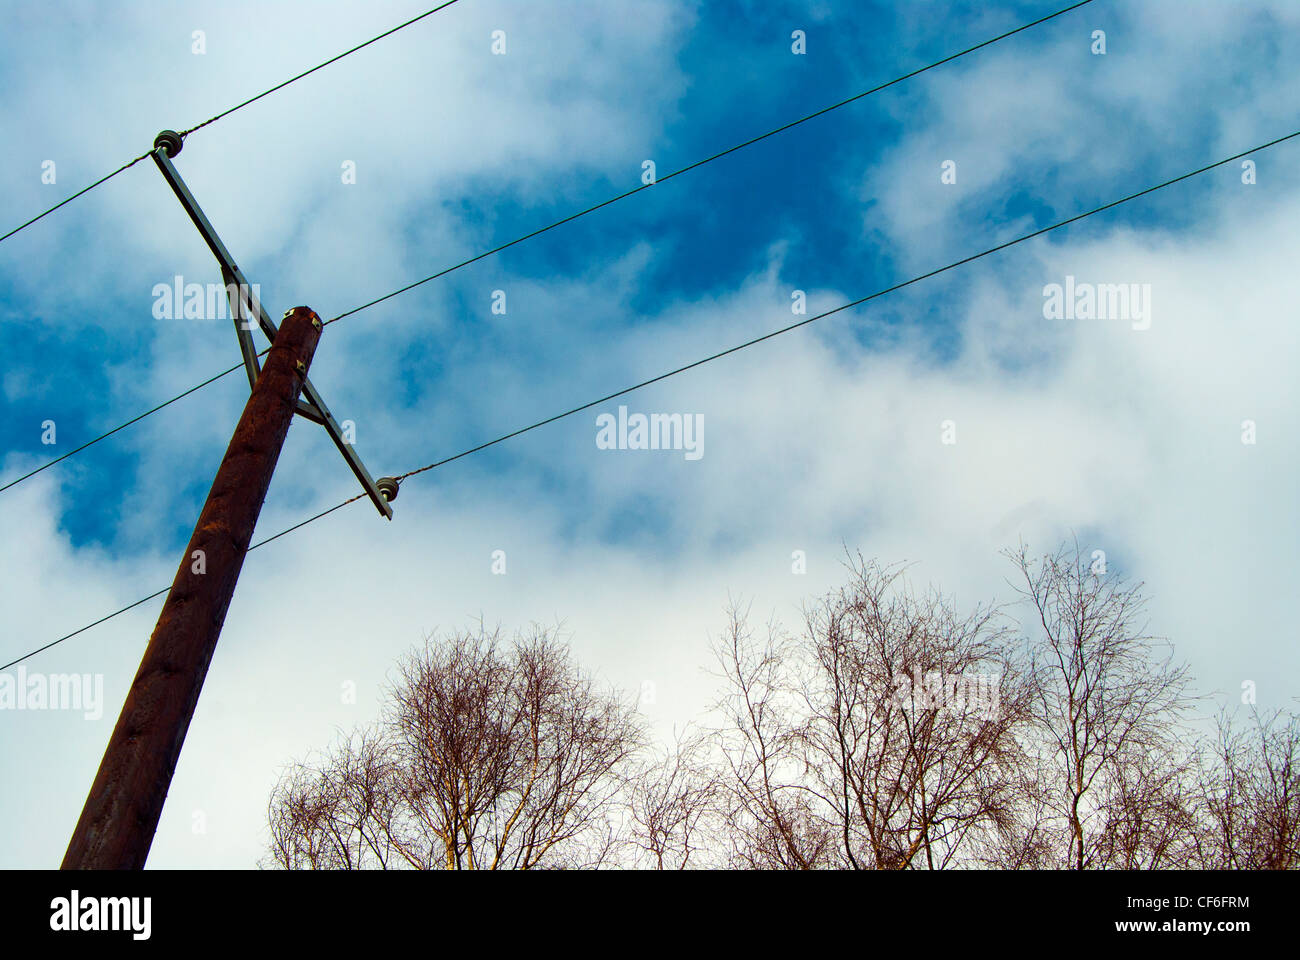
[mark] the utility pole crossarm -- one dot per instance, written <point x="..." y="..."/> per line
<point x="168" y="145"/>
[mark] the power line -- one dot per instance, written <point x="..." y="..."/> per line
<point x="718" y="355"/>
<point x="845" y="306"/>
<point x="716" y="156"/>
<point x="313" y="519"/>
<point x="115" y="613"/>
<point x="568" y="219"/>
<point x="121" y="426"/>
<point x="159" y="593"/>
<point x="226" y="113"/>
<point x="319" y="66"/>
<point x="104" y="179"/>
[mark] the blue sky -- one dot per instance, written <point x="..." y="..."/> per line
<point x="822" y="437"/>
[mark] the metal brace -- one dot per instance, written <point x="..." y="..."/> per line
<point x="246" y="309"/>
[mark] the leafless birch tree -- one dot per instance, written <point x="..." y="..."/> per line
<point x="489" y="756"/>
<point x="859" y="743"/>
<point x="1109" y="704"/>
<point x="1250" y="793"/>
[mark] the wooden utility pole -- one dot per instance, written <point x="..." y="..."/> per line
<point x="121" y="814"/>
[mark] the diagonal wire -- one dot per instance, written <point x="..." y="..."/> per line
<point x="844" y="306"/>
<point x="104" y="179"/>
<point x="226" y="113"/>
<point x="159" y="593"/>
<point x="319" y="66"/>
<point x="716" y="156"/>
<point x="120" y="426"/>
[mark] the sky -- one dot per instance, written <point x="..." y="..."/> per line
<point x="937" y="425"/>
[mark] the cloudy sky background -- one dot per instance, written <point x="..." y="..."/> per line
<point x="827" y="436"/>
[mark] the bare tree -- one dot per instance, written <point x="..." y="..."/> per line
<point x="673" y="809"/>
<point x="1149" y="816"/>
<point x="884" y="736"/>
<point x="342" y="813"/>
<point x="1109" y="706"/>
<point x="771" y="823"/>
<point x="1027" y="839"/>
<point x="1249" y="788"/>
<point x="489" y="756"/>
